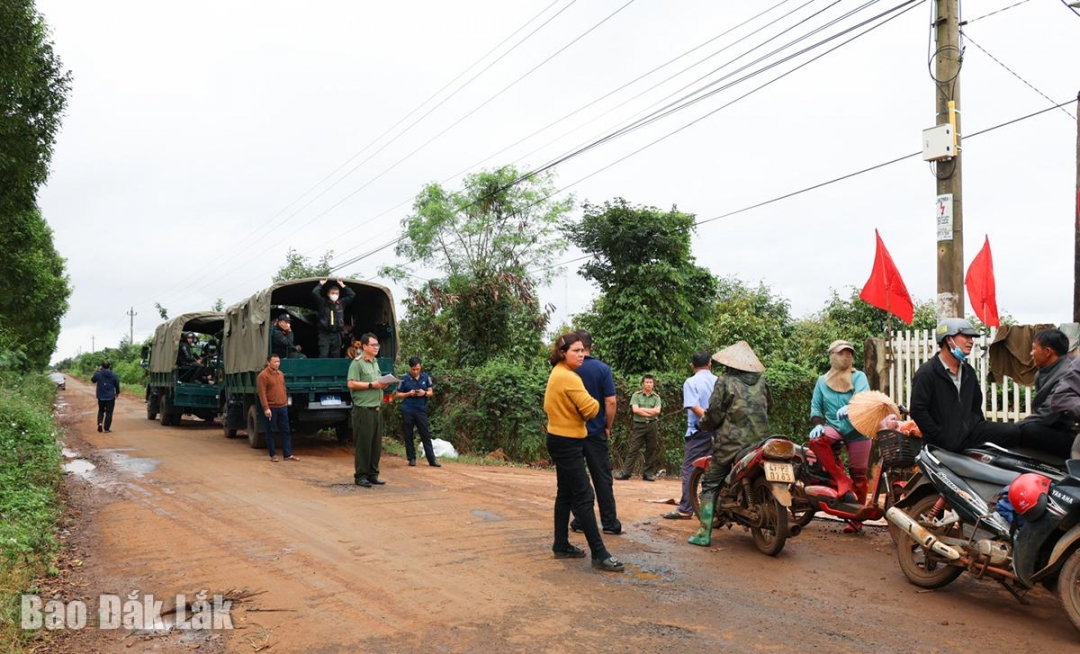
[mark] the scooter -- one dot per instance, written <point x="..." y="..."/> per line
<point x="954" y="517"/>
<point x="1021" y="459"/>
<point x="757" y="493"/>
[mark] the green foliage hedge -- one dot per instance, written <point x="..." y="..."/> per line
<point x="499" y="405"/>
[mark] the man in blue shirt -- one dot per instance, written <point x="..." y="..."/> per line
<point x="600" y="383"/>
<point x="108" y="387"/>
<point x="696" y="392"/>
<point x="414" y="392"/>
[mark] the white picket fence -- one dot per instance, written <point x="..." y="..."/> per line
<point x="1005" y="402"/>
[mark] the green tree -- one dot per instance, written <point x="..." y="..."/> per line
<point x="34" y="288"/>
<point x="652" y="295"/>
<point x="297" y="266"/>
<point x="33" y="95"/>
<point x="219" y="305"/>
<point x="491" y="241"/>
<point x="162" y="311"/>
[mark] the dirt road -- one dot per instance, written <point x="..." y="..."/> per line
<point x="458" y="559"/>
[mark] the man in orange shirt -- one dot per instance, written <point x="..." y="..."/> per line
<point x="275" y="403"/>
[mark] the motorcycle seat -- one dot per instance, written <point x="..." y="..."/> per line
<point x="972" y="469"/>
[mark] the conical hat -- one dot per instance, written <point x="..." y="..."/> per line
<point x="866" y="410"/>
<point x="740" y="357"/>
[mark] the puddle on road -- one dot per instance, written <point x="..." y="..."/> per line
<point x="80" y="467"/>
<point x="487" y="515"/>
<point x="69" y="454"/>
<point x="639" y="573"/>
<point x="136" y="465"/>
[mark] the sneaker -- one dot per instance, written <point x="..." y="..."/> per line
<point x="575" y="527"/>
<point x="677" y="515"/>
<point x="99" y="428"/>
<point x="572" y="552"/>
<point x="623" y="477"/>
<point x="610" y="564"/>
<point x="376" y="481"/>
<point x="412" y="463"/>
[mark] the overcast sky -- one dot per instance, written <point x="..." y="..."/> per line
<point x="202" y="139"/>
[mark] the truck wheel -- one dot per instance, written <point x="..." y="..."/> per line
<point x="151" y="407"/>
<point x="166" y="417"/>
<point x="229" y="433"/>
<point x="256" y="437"/>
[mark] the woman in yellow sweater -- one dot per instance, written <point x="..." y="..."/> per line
<point x="568" y="405"/>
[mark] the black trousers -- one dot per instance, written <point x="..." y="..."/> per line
<point x="574" y="495"/>
<point x="329" y="345"/>
<point x="1047" y="439"/>
<point x="419" y="420"/>
<point x="598" y="459"/>
<point x="104" y="413"/>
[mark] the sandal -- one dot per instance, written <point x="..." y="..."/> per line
<point x="292" y="458"/>
<point x="610" y="564"/>
<point x="573" y="552"/>
<point x="273" y="459"/>
<point x="677" y="515"/>
<point x="853" y="527"/>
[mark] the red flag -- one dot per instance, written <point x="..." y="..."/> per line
<point x="885" y="289"/>
<point x="982" y="291"/>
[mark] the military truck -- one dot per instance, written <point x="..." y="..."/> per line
<point x="318" y="394"/>
<point x="173" y="390"/>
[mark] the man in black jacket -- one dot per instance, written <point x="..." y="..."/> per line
<point x="946" y="401"/>
<point x="282" y="341"/>
<point x="330" y="305"/>
<point x="1045" y="428"/>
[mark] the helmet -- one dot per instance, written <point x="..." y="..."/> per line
<point x="189" y="334"/>
<point x="952" y="327"/>
<point x="1027" y="494"/>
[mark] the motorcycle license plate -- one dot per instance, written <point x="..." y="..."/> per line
<point x="782" y="472"/>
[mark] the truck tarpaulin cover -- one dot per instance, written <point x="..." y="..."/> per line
<point x="248" y="322"/>
<point x="167" y="336"/>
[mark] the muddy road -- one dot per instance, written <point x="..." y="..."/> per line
<point x="458" y="559"/>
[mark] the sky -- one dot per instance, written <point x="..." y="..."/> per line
<point x="204" y="139"/>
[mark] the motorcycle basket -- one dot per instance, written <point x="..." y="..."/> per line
<point x="898" y="450"/>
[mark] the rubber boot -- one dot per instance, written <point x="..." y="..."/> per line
<point x="703" y="536"/>
<point x="860" y="484"/>
<point x="823" y="450"/>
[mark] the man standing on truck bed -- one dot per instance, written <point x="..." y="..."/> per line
<point x="330" y="305"/>
<point x="275" y="403"/>
<point x="366" y="417"/>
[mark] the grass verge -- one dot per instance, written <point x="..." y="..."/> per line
<point x="29" y="489"/>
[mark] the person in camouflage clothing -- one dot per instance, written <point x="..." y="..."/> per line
<point x="739" y="413"/>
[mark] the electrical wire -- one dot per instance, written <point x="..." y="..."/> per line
<point x="593" y="102"/>
<point x="1016" y="75"/>
<point x="266" y="230"/>
<point x="1071" y="7"/>
<point x="993" y="13"/>
<point x="451" y="126"/>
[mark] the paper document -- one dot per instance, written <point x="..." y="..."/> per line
<point x="388" y="379"/>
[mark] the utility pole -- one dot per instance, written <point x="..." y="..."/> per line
<point x="92" y="349"/>
<point x="1076" y="223"/>
<point x="950" y="245"/>
<point x="131" y="314"/>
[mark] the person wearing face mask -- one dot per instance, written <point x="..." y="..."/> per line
<point x="946" y="401"/>
<point x="330" y="303"/>
<point x="828" y="413"/>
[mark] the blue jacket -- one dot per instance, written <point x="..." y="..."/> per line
<point x="415" y="404"/>
<point x="108" y="384"/>
<point x="600" y="383"/>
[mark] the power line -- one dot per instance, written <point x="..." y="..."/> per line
<point x="841" y="178"/>
<point x="1071" y="7"/>
<point x="458" y="121"/>
<point x="593" y="102"/>
<point x="912" y="3"/>
<point x="993" y="13"/>
<point x="264" y="233"/>
<point x="1014" y="73"/>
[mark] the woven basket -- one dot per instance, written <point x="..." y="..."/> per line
<point x="898" y="450"/>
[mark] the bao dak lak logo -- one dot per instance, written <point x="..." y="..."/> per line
<point x="134" y="612"/>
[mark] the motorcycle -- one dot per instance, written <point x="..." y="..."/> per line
<point x="815" y="490"/>
<point x="954" y="518"/>
<point x="757" y="493"/>
<point x="1021" y="459"/>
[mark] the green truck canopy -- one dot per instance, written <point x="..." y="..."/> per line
<point x="167" y="336"/>
<point x="248" y="322"/>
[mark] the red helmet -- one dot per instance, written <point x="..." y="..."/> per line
<point x="1027" y="494"/>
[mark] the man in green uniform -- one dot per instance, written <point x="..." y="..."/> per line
<point x="739" y="413"/>
<point x="367" y="419"/>
<point x="645" y="405"/>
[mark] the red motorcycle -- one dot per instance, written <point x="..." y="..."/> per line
<point x="757" y="493"/>
<point x="892" y="456"/>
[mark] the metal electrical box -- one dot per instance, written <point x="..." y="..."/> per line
<point x="938" y="143"/>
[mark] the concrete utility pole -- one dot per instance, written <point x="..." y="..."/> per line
<point x="92" y="350"/>
<point x="1076" y="222"/>
<point x="950" y="245"/>
<point x="131" y="314"/>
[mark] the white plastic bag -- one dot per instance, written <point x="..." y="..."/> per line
<point x="443" y="449"/>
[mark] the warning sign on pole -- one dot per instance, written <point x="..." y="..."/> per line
<point x="944" y="217"/>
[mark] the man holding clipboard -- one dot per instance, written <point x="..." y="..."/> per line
<point x="366" y="385"/>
